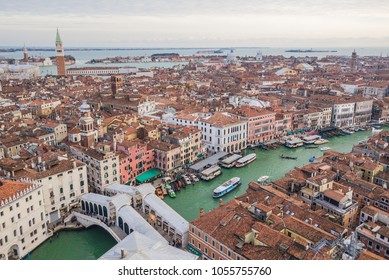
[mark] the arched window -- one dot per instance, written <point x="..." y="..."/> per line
<point x="82" y="205"/>
<point x="86" y="207"/>
<point x="100" y="210"/>
<point x="121" y="222"/>
<point x="105" y="212"/>
<point x="126" y="228"/>
<point x="95" y="209"/>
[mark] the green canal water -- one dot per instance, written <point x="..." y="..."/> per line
<point x="189" y="200"/>
<point x="86" y="244"/>
<point x="93" y="242"/>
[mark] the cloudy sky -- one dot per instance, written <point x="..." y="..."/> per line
<point x="196" y="23"/>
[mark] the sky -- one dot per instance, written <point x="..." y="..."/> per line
<point x="196" y="23"/>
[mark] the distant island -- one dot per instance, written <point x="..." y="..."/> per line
<point x="309" y="51"/>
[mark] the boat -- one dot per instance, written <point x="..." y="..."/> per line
<point x="159" y="193"/>
<point x="187" y="180"/>
<point x="311" y="147"/>
<point x="194" y="177"/>
<point x="210" y="173"/>
<point x="230" y="161"/>
<point x="312" y="159"/>
<point x="246" y="160"/>
<point x="171" y="193"/>
<point x="325" y="149"/>
<point x="287" y="157"/>
<point x="294" y="143"/>
<point x="321" y="141"/>
<point x="375" y="131"/>
<point x="263" y="179"/>
<point x="311" y="139"/>
<point x="226" y="187"/>
<point x="347" y="131"/>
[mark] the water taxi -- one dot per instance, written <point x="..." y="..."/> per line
<point x="263" y="179"/>
<point x="294" y="143"/>
<point x="210" y="173"/>
<point x="230" y="161"/>
<point x="226" y="187"/>
<point x="321" y="141"/>
<point x="325" y="149"/>
<point x="170" y="191"/>
<point x="311" y="139"/>
<point x="246" y="160"/>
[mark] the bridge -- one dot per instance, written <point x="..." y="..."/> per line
<point x="88" y="221"/>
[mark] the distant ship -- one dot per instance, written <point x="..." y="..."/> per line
<point x="226" y="187"/>
<point x="309" y="51"/>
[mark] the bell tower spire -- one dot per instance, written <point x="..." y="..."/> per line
<point x="61" y="71"/>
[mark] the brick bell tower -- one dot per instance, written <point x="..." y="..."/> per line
<point x="61" y="71"/>
<point x="25" y="54"/>
<point x="86" y="126"/>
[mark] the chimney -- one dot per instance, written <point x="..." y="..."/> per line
<point x="310" y="221"/>
<point x="74" y="164"/>
<point x="201" y="212"/>
<point x="220" y="202"/>
<point x="39" y="159"/>
<point x="121" y="253"/>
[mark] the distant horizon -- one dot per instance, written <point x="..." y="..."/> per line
<point x="188" y="48"/>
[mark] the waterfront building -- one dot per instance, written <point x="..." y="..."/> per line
<point x="283" y="124"/>
<point x="343" y="114"/>
<point x="222" y="132"/>
<point x="166" y="156"/>
<point x="363" y="111"/>
<point x="102" y="166"/>
<point x="23" y="221"/>
<point x="136" y="159"/>
<point x="314" y="119"/>
<point x="108" y="71"/>
<point x="60" y="56"/>
<point x="260" y="123"/>
<point x="189" y="140"/>
<point x="380" y="111"/>
<point x="63" y="180"/>
<point x="373" y="231"/>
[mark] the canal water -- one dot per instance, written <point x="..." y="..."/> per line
<point x="93" y="242"/>
<point x="189" y="200"/>
<point x="86" y="244"/>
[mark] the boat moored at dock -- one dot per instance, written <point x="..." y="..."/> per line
<point x="226" y="187"/>
<point x="230" y="161"/>
<point x="210" y="173"/>
<point x="246" y="160"/>
<point x="294" y="143"/>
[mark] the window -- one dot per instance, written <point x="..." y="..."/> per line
<point x="61" y="190"/>
<point x="206" y="238"/>
<point x="377" y="247"/>
<point x="221" y="248"/>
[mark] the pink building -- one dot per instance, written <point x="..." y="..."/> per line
<point x="135" y="159"/>
<point x="260" y="123"/>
